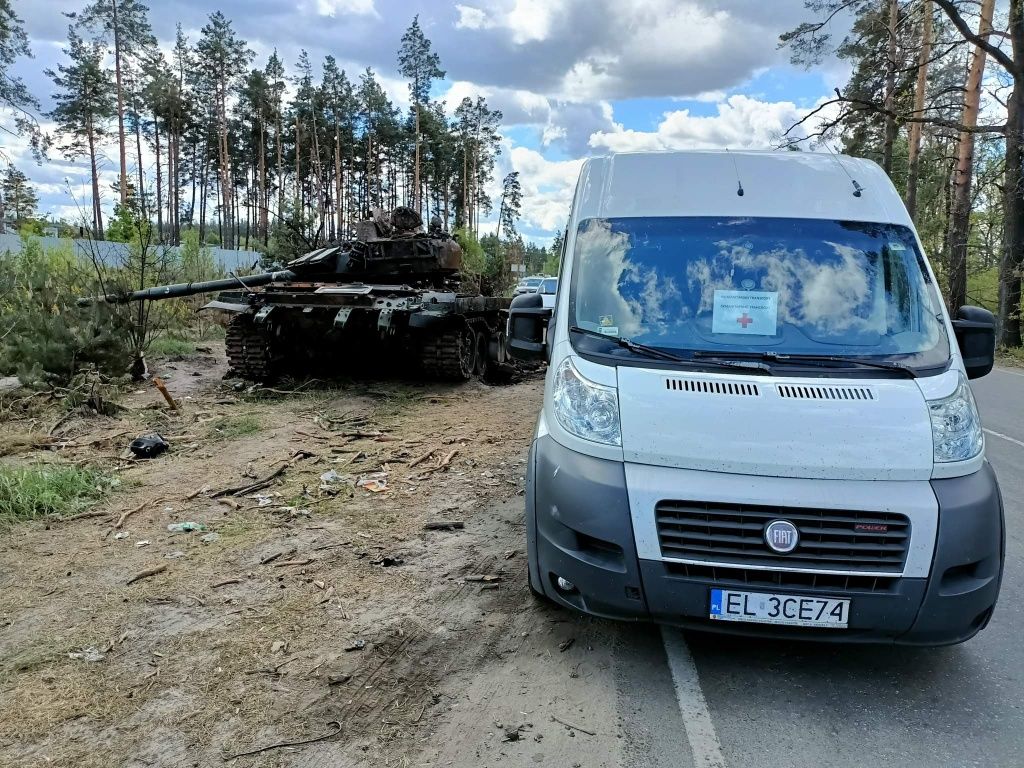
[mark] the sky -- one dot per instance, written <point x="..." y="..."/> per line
<point x="573" y="78"/>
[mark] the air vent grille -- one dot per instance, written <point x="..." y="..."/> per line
<point x="710" y="387"/>
<point x="804" y="392"/>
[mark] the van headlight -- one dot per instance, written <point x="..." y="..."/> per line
<point x="584" y="408"/>
<point x="956" y="427"/>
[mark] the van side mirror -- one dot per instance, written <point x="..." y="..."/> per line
<point x="527" y="322"/>
<point x="975" y="330"/>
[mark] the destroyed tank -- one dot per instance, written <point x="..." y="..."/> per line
<point x="390" y="296"/>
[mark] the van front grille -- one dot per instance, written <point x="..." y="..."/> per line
<point x="830" y="539"/>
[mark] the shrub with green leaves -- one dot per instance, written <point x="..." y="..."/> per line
<point x="43" y="332"/>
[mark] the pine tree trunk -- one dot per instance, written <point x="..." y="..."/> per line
<point x="159" y="183"/>
<point x="141" y="192"/>
<point x="920" y="91"/>
<point x="960" y="219"/>
<point x="416" y="167"/>
<point x="120" y="104"/>
<point x="97" y="210"/>
<point x="298" y="161"/>
<point x="280" y="167"/>
<point x="890" y="87"/>
<point x="338" y="213"/>
<point x="263" y="202"/>
<point x="1012" y="257"/>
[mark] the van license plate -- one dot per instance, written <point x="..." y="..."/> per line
<point x="791" y="610"/>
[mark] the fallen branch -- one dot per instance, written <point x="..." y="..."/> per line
<point x="574" y="727"/>
<point x="225" y="583"/>
<point x="125" y="515"/>
<point x="422" y="458"/>
<point x="280" y="744"/>
<point x="286" y="563"/>
<point x="147" y="573"/>
<point x="159" y="384"/>
<point x="239" y="490"/>
<point x="447" y="459"/>
<point x="444" y="525"/>
<point x="60" y="421"/>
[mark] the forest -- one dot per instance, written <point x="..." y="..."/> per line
<point x="214" y="147"/>
<point x="934" y="97"/>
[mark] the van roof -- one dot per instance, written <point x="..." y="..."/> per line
<point x="704" y="183"/>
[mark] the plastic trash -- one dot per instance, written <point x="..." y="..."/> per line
<point x="188" y="527"/>
<point x="121" y="535"/>
<point x="148" y="446"/>
<point x="210" y="537"/>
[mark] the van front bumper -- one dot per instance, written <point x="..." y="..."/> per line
<point x="579" y="528"/>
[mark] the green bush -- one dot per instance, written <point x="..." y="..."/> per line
<point x="43" y="333"/>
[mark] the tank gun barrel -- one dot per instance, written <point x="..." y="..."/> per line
<point x="178" y="290"/>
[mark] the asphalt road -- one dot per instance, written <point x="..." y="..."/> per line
<point x="744" y="702"/>
<point x="640" y="696"/>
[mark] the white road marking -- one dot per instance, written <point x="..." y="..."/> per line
<point x="1012" y="373"/>
<point x="700" y="731"/>
<point x="1013" y="440"/>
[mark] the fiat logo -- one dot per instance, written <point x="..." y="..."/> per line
<point x="781" y="536"/>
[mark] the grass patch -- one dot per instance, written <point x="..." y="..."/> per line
<point x="30" y="492"/>
<point x="234" y="426"/>
<point x="170" y="346"/>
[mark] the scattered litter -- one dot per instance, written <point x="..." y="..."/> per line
<point x="338" y="679"/>
<point x="87" y="654"/>
<point x="488" y="587"/>
<point x="188" y="527"/>
<point x="262" y="500"/>
<point x="387" y="562"/>
<point x="209" y="537"/>
<point x="331" y="481"/>
<point x="121" y="535"/>
<point x="143" y="543"/>
<point x="279" y="646"/>
<point x="376" y="482"/>
<point x="230" y="502"/>
<point x="444" y="525"/>
<point x="174" y="555"/>
<point x="320" y="584"/>
<point x="565" y="645"/>
<point x="148" y="446"/>
<point x="357" y="645"/>
<point x="486" y="578"/>
<point x="513" y="734"/>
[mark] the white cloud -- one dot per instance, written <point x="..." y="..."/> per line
<point x="740" y="123"/>
<point x="345" y="7"/>
<point x="526" y="21"/>
<point x="547" y="187"/>
<point x="470" y="18"/>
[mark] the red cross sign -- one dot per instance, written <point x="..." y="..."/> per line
<point x="744" y="321"/>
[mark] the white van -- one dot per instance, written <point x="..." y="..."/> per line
<point x="756" y="415"/>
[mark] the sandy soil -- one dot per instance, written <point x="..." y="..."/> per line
<point x="327" y="610"/>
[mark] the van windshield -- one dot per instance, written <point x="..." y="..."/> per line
<point x="749" y="285"/>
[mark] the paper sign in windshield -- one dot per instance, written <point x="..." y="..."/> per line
<point x="751" y="312"/>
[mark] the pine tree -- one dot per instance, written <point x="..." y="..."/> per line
<point x="222" y="58"/>
<point x="83" y="107"/>
<point x="421" y="66"/>
<point x="20" y="105"/>
<point x="20" y="198"/>
<point x="125" y="25"/>
<point x="511" y="204"/>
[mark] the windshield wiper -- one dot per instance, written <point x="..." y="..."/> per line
<point x="643" y="349"/>
<point x="775" y="357"/>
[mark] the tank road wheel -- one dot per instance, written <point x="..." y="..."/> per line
<point x="249" y="350"/>
<point x="450" y="355"/>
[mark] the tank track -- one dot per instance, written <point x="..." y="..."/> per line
<point x="446" y="356"/>
<point x="249" y="350"/>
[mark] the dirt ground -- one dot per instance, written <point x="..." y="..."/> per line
<point x="317" y="608"/>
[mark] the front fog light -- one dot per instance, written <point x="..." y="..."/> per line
<point x="956" y="427"/>
<point x="584" y="408"/>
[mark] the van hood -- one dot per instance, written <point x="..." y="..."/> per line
<point x="846" y="429"/>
